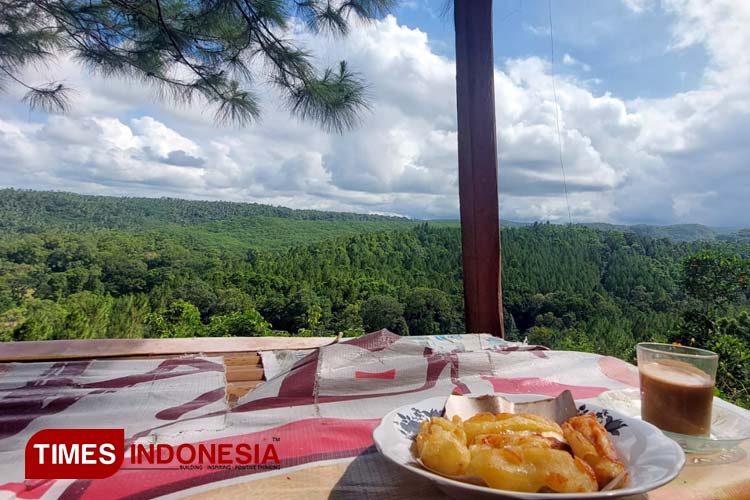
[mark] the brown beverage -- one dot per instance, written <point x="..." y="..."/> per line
<point x="676" y="397"/>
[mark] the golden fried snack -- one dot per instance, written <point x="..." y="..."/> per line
<point x="519" y="439"/>
<point x="441" y="446"/>
<point x="502" y="423"/>
<point x="590" y="441"/>
<point x="530" y="469"/>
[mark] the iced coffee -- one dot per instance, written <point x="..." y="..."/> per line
<point x="677" y="386"/>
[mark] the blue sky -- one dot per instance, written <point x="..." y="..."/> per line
<point x="626" y="50"/>
<point x="654" y="105"/>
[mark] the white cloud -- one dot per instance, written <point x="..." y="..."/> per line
<point x="639" y="6"/>
<point x="698" y="138"/>
<point x="687" y="204"/>
<point x="569" y="60"/>
<point x="722" y="27"/>
<point x="680" y="158"/>
<point x="537" y="30"/>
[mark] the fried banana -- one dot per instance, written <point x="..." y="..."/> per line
<point x="521" y="452"/>
<point x="531" y="469"/>
<point x="519" y="439"/>
<point x="441" y="446"/>
<point x="590" y="442"/>
<point x="503" y="423"/>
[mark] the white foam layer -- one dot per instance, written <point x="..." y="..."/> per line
<point x="677" y="373"/>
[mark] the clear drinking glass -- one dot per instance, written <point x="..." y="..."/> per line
<point x="677" y="387"/>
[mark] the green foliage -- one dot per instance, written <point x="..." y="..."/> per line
<point x="298" y="309"/>
<point x="230" y="301"/>
<point x="180" y="319"/>
<point x="676" y="232"/>
<point x="247" y="323"/>
<point x="738" y="326"/>
<point x="713" y="278"/>
<point x="96" y="267"/>
<point x="71" y="211"/>
<point x="10" y="321"/>
<point x="87" y="315"/>
<point x="25" y="251"/>
<point x="40" y="320"/>
<point x="189" y="51"/>
<point x="384" y="311"/>
<point x="348" y="320"/>
<point x="576" y="340"/>
<point x="127" y="317"/>
<point x="428" y="311"/>
<point x="733" y="374"/>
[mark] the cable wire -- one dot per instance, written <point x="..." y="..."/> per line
<point x="557" y="112"/>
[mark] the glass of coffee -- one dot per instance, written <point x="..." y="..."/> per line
<point x="677" y="387"/>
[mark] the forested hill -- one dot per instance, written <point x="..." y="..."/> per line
<point x="31" y="210"/>
<point x="567" y="287"/>
<point x="678" y="232"/>
<point x="233" y="227"/>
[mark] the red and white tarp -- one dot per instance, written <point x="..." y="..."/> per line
<point x="321" y="409"/>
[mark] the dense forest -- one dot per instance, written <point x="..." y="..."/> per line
<point x="95" y="267"/>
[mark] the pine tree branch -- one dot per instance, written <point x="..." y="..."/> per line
<point x="200" y="74"/>
<point x="52" y="98"/>
<point x="106" y="47"/>
<point x="268" y="41"/>
<point x="17" y="80"/>
<point x="214" y="40"/>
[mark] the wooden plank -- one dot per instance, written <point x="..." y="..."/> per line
<point x="237" y="358"/>
<point x="236" y="390"/>
<point x="240" y="359"/>
<point x="240" y="373"/>
<point x="477" y="166"/>
<point x="107" y="348"/>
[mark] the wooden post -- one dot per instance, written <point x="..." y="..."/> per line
<point x="477" y="166"/>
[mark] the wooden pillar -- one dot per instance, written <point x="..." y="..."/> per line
<point x="477" y="166"/>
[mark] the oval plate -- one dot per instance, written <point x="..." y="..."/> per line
<point x="652" y="459"/>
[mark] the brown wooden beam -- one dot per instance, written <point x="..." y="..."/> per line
<point x="477" y="166"/>
<point x="107" y="348"/>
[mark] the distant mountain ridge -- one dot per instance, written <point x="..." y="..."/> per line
<point x="28" y="211"/>
<point x="676" y="232"/>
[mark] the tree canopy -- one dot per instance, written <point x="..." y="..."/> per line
<point x="175" y="268"/>
<point x="217" y="50"/>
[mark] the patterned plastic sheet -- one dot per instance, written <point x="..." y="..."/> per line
<point x="319" y="413"/>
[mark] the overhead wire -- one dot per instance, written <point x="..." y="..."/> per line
<point x="557" y="110"/>
<point x="510" y="13"/>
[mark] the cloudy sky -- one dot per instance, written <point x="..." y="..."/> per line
<point x="653" y="96"/>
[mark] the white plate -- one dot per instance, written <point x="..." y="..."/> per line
<point x="652" y="459"/>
